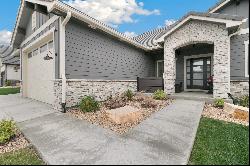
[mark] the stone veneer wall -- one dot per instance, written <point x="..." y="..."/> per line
<point x="239" y="88"/>
<point x="199" y="32"/>
<point x="100" y="89"/>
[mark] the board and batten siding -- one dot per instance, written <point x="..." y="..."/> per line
<point x="91" y="54"/>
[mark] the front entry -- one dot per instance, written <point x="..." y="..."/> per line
<point x="198" y="70"/>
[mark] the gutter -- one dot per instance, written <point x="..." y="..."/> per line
<point x="62" y="60"/>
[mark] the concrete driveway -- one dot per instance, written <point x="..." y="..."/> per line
<point x="22" y="109"/>
<point x="166" y="138"/>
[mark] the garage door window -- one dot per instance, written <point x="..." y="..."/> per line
<point x="30" y="55"/>
<point x="50" y="45"/>
<point x="35" y="52"/>
<point x="43" y="48"/>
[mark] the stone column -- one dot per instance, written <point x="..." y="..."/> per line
<point x="169" y="69"/>
<point x="221" y="68"/>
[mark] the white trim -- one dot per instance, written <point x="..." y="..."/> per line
<point x="229" y="23"/>
<point x="244" y="31"/>
<point x="39" y="30"/>
<point x="219" y="6"/>
<point x="185" y="68"/>
<point x="39" y="41"/>
<point x="246" y="58"/>
<point x="157" y="70"/>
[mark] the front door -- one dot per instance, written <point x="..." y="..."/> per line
<point x="198" y="71"/>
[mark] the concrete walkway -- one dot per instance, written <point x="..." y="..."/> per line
<point x="165" y="138"/>
<point x="22" y="109"/>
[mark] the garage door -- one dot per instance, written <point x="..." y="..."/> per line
<point x="41" y="73"/>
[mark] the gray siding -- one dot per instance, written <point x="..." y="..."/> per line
<point x="91" y="54"/>
<point x="238" y="57"/>
<point x="241" y="10"/>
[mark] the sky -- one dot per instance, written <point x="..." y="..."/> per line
<point x="131" y="17"/>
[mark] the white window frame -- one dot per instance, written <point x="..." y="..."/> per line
<point x="157" y="69"/>
<point x="246" y="58"/>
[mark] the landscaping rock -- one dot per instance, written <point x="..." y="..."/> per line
<point x="127" y="114"/>
<point x="231" y="108"/>
<point x="221" y="114"/>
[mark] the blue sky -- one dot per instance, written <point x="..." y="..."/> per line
<point x="166" y="10"/>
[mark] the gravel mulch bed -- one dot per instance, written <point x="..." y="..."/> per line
<point x="16" y="143"/>
<point x="100" y="118"/>
<point x="218" y="113"/>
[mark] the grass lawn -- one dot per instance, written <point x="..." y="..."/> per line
<point x="220" y="143"/>
<point x="25" y="156"/>
<point x="6" y="91"/>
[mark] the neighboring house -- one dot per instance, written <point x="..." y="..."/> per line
<point x="10" y="72"/>
<point x="66" y="54"/>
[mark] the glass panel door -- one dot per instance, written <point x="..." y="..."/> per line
<point x="198" y="70"/>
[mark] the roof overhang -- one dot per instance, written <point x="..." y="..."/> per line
<point x="229" y="23"/>
<point x="19" y="15"/>
<point x="57" y="5"/>
<point x="219" y="6"/>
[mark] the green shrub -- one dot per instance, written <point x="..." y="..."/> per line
<point x="8" y="83"/>
<point x="159" y="95"/>
<point x="219" y="103"/>
<point x="244" y="101"/>
<point x="89" y="104"/>
<point x="129" y="95"/>
<point x="7" y="130"/>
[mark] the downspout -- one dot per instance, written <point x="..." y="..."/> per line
<point x="62" y="60"/>
<point x="229" y="48"/>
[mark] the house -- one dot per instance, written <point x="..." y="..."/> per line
<point x="10" y="73"/>
<point x="66" y="54"/>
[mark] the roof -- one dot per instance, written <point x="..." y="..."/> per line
<point x="7" y="54"/>
<point x="218" y="5"/>
<point x="56" y="5"/>
<point x="148" y="39"/>
<point x="151" y="38"/>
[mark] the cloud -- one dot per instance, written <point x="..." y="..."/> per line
<point x="130" y="34"/>
<point x="5" y="37"/>
<point x="112" y="12"/>
<point x="169" y="22"/>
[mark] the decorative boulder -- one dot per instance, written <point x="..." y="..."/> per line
<point x="238" y="112"/>
<point x="127" y="114"/>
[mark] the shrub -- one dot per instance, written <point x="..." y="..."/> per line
<point x="159" y="95"/>
<point x="219" y="103"/>
<point x="7" y="130"/>
<point x="89" y="104"/>
<point x="244" y="101"/>
<point x="129" y="95"/>
<point x="116" y="102"/>
<point x="8" y="83"/>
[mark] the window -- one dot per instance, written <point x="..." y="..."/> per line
<point x="50" y="45"/>
<point x="33" y="17"/>
<point x="30" y="55"/>
<point x="160" y="68"/>
<point x="43" y="48"/>
<point x="247" y="58"/>
<point x="35" y="52"/>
